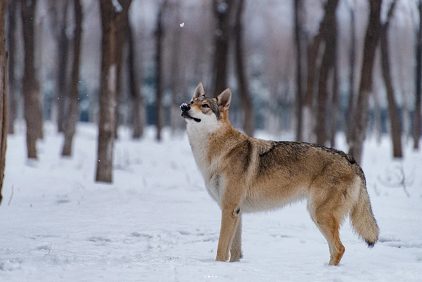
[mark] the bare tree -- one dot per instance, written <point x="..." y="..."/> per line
<point x="352" y="62"/>
<point x="176" y="69"/>
<point x="3" y="95"/>
<point x="405" y="80"/>
<point x="335" y="101"/>
<point x="393" y="110"/>
<point x="30" y="87"/>
<point x="11" y="38"/>
<point x="418" y="116"/>
<point x="361" y="117"/>
<point x="138" y="108"/>
<point x="159" y="34"/>
<point x="61" y="95"/>
<point x="298" y="30"/>
<point x="122" y="22"/>
<point x="311" y="78"/>
<point x="244" y="95"/>
<point x="327" y="66"/>
<point x="107" y="93"/>
<point x="222" y="13"/>
<point x="377" y="118"/>
<point x="73" y="112"/>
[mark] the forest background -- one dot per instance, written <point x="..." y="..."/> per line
<point x="314" y="68"/>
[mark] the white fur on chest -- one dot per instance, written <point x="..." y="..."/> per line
<point x="199" y="141"/>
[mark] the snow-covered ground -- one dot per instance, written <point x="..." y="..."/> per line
<point x="156" y="222"/>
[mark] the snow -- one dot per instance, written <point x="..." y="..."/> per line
<point x="112" y="77"/>
<point x="117" y="7"/>
<point x="156" y="222"/>
<point x="222" y="7"/>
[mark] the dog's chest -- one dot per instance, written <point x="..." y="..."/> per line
<point x="199" y="145"/>
<point x="214" y="182"/>
<point x="215" y="187"/>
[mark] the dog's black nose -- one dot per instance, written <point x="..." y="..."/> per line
<point x="184" y="107"/>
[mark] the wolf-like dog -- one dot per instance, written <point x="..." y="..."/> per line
<point x="244" y="174"/>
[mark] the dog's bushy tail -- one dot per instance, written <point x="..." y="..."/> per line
<point x="362" y="218"/>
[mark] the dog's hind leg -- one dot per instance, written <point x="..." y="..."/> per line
<point x="327" y="212"/>
<point x="236" y="247"/>
<point x="329" y="227"/>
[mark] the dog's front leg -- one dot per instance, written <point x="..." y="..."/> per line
<point x="229" y="221"/>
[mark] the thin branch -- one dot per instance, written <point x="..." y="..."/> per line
<point x="390" y="14"/>
<point x="399" y="180"/>
<point x="11" y="196"/>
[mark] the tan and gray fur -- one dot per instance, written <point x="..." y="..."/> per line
<point x="244" y="174"/>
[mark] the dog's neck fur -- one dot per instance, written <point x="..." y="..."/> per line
<point x="203" y="137"/>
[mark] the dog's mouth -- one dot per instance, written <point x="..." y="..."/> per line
<point x="187" y="116"/>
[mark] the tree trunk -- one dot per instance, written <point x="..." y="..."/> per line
<point x="122" y="21"/>
<point x="377" y="119"/>
<point x="405" y="115"/>
<point x="30" y="87"/>
<point x="244" y="95"/>
<point x="61" y="95"/>
<point x="176" y="123"/>
<point x="361" y="118"/>
<point x="327" y="64"/>
<point x="298" y="30"/>
<point x="417" y="116"/>
<point x="73" y="113"/>
<point x="335" y="92"/>
<point x="222" y="12"/>
<point x="393" y="112"/>
<point x="11" y="38"/>
<point x="138" y="108"/>
<point x="107" y="93"/>
<point x="312" y="67"/>
<point x="404" y="91"/>
<point x="350" y="113"/>
<point x="3" y="95"/>
<point x="159" y="33"/>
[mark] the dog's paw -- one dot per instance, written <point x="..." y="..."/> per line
<point x="221" y="258"/>
<point x="235" y="256"/>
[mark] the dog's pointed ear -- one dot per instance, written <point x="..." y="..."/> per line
<point x="199" y="91"/>
<point x="224" y="99"/>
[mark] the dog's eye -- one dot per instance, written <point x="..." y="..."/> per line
<point x="205" y="106"/>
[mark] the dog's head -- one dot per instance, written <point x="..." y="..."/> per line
<point x="205" y="111"/>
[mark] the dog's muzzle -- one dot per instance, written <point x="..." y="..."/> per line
<point x="185" y="112"/>
<point x="184" y="107"/>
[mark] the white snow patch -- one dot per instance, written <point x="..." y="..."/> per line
<point x="117" y="7"/>
<point x="112" y="77"/>
<point x="222" y="7"/>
